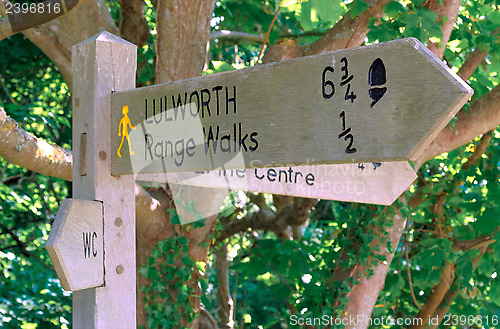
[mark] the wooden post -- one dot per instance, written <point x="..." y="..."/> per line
<point x="101" y="65"/>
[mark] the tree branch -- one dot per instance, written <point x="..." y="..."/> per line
<point x="57" y="37"/>
<point x="226" y="311"/>
<point x="448" y="9"/>
<point x="480" y="149"/>
<point x="258" y="37"/>
<point x="296" y="213"/>
<point x="347" y="33"/>
<point x="416" y="198"/>
<point x="436" y="296"/>
<point x="207" y="321"/>
<point x="49" y="45"/>
<point x="473" y="60"/>
<point x="22" y="247"/>
<point x="6" y="90"/>
<point x="225" y="34"/>
<point x="410" y="282"/>
<point x="258" y="200"/>
<point x="363" y="296"/>
<point x="482" y="116"/>
<point x="21" y="148"/>
<point x="267" y="34"/>
<point x="443" y="308"/>
<point x="14" y="23"/>
<point x="133" y="27"/>
<point x="478" y="243"/>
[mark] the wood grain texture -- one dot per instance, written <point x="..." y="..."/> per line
<point x="379" y="183"/>
<point x="103" y="64"/>
<point x="291" y="116"/>
<point x="75" y="244"/>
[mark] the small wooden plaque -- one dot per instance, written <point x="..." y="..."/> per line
<point x="75" y="244"/>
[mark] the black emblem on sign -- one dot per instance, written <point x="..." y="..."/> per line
<point x="377" y="77"/>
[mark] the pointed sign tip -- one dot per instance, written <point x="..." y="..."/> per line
<point x="464" y="88"/>
<point x="106" y="36"/>
<point x="467" y="90"/>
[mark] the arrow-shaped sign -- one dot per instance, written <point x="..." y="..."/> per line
<point x="377" y="183"/>
<point x="75" y="244"/>
<point x="378" y="103"/>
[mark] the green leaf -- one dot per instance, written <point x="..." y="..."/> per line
<point x="432" y="258"/>
<point x="307" y="16"/>
<point x="485" y="266"/>
<point x="151" y="261"/>
<point x="396" y="286"/>
<point x="199" y="220"/>
<point x="152" y="322"/>
<point x="496" y="251"/>
<point x="494" y="293"/>
<point x="175" y="219"/>
<point x="171" y="212"/>
<point x="226" y="212"/>
<point x="465" y="268"/>
<point x="430" y="25"/>
<point x="357" y="8"/>
<point x="411" y="20"/>
<point x="434" y="277"/>
<point x="394" y="8"/>
<point x="382" y="33"/>
<point x="153" y="273"/>
<point x="274" y="35"/>
<point x="367" y="238"/>
<point x="488" y="221"/>
<point x="328" y="10"/>
<point x="220" y="66"/>
<point x="143" y="271"/>
<point x="182" y="240"/>
<point x="267" y="243"/>
<point x="418" y="3"/>
<point x="186" y="260"/>
<point x="494" y="17"/>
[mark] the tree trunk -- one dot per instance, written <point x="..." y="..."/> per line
<point x="226" y="312"/>
<point x="363" y="296"/>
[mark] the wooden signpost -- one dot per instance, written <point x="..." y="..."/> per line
<point x="378" y="103"/>
<point x="376" y="183"/>
<point x="373" y="104"/>
<point x="100" y="65"/>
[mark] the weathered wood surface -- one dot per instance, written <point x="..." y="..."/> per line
<point x="377" y="183"/>
<point x="100" y="65"/>
<point x="75" y="244"/>
<point x="378" y="103"/>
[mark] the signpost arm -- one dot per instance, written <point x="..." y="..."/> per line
<point x="101" y="65"/>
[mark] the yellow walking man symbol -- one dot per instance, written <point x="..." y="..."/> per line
<point x="123" y="131"/>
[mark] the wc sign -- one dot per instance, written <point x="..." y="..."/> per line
<point x="76" y="245"/>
